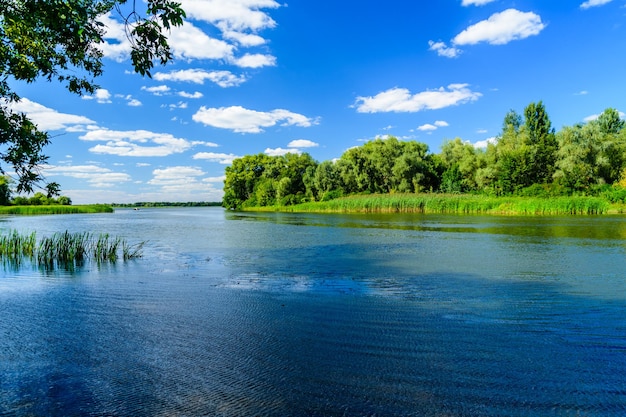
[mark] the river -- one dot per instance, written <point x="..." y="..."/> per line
<point x="274" y="314"/>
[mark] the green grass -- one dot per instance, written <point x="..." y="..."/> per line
<point x="454" y="204"/>
<point x="55" y="209"/>
<point x="65" y="249"/>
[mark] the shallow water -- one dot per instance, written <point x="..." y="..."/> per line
<point x="268" y="314"/>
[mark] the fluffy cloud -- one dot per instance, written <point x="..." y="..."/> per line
<point x="189" y="42"/>
<point x="475" y="2"/>
<point x="140" y="143"/>
<point x="48" y="119"/>
<point x="401" y="100"/>
<point x="241" y="120"/>
<point x="158" y="90"/>
<point x="222" y="158"/>
<point x="239" y="22"/>
<point x="95" y="175"/>
<point x="180" y="179"/>
<point x="198" y="76"/>
<point x="482" y="144"/>
<point x="254" y="61"/>
<point x="444" y="50"/>
<point x="232" y="15"/>
<point x="594" y="3"/>
<point x="102" y="96"/>
<point x="302" y="143"/>
<point x="194" y="95"/>
<point x="431" y="127"/>
<point x="501" y="28"/>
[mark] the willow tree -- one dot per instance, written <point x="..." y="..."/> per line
<point x="58" y="40"/>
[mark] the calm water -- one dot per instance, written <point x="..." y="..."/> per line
<point x="232" y="314"/>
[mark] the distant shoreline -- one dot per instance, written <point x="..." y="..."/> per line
<point x="168" y="204"/>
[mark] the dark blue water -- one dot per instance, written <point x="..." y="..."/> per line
<point x="283" y="314"/>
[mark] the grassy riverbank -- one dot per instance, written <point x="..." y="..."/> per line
<point x="454" y="204"/>
<point x="56" y="209"/>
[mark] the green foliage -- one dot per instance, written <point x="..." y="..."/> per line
<point x="58" y="40"/>
<point x="5" y="190"/>
<point x="527" y="160"/>
<point x="262" y="180"/>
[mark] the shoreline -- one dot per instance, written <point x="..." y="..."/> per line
<point x="454" y="204"/>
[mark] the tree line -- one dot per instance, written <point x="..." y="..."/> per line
<point x="528" y="158"/>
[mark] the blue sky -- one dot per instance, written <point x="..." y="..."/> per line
<point x="255" y="76"/>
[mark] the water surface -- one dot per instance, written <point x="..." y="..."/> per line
<point x="269" y="314"/>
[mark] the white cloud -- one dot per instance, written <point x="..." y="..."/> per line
<point x="198" y="76"/>
<point x="179" y="105"/>
<point x="241" y="120"/>
<point x="158" y="90"/>
<point x="444" y="50"/>
<point x="302" y="143"/>
<point x="232" y="15"/>
<point x="401" y="100"/>
<point x="204" y="143"/>
<point x="102" y="96"/>
<point x="194" y="95"/>
<point x="48" y="119"/>
<point x="95" y="175"/>
<point x="244" y="39"/>
<point x="427" y="127"/>
<point x="280" y="151"/>
<point x="222" y="158"/>
<point x="582" y="93"/>
<point x="135" y="143"/>
<point x="215" y="179"/>
<point x="501" y="28"/>
<point x="134" y="102"/>
<point x="475" y="2"/>
<point x="180" y="179"/>
<point x="482" y="144"/>
<point x="594" y="3"/>
<point x="254" y="61"/>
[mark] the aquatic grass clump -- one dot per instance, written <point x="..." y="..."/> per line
<point x="15" y="245"/>
<point x="65" y="248"/>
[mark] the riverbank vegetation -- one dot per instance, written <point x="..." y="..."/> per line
<point x="55" y="209"/>
<point x="528" y="169"/>
<point x="65" y="249"/>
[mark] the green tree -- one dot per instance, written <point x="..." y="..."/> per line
<point x="610" y="122"/>
<point x="242" y="177"/>
<point x="58" y="40"/>
<point x="5" y="190"/>
<point x="542" y="142"/>
<point x="460" y="160"/>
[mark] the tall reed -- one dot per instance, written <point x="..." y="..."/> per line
<point x="456" y="204"/>
<point x="65" y="248"/>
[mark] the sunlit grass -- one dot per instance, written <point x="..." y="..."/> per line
<point x="454" y="203"/>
